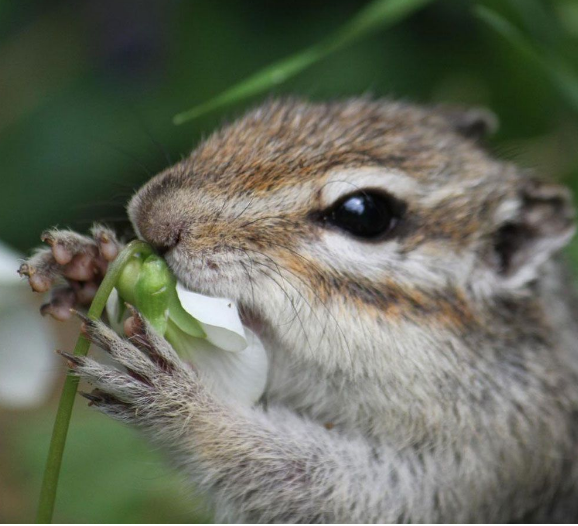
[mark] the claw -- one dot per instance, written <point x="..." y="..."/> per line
<point x="81" y="315"/>
<point x="87" y="323"/>
<point x="130" y="326"/>
<point x="47" y="237"/>
<point x="61" y="254"/>
<point x="135" y="328"/>
<point x="96" y="396"/>
<point x="108" y="247"/>
<point x="24" y="270"/>
<point x="71" y="360"/>
<point x="91" y="397"/>
<point x="134" y="324"/>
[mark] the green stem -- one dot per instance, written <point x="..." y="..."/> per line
<point x="61" y="424"/>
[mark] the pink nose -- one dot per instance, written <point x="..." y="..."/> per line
<point x="158" y="224"/>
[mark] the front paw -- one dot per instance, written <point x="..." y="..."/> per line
<point x="71" y="268"/>
<point x="154" y="389"/>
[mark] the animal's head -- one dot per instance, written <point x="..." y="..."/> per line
<point x="345" y="229"/>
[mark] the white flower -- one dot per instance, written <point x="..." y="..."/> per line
<point x="231" y="360"/>
<point x="28" y="365"/>
<point x="205" y="331"/>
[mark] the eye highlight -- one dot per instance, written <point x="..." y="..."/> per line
<point x="366" y="214"/>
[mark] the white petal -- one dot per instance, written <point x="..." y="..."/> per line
<point x="218" y="317"/>
<point x="238" y="377"/>
<point x="113" y="312"/>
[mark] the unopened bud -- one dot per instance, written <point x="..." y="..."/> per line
<point x="128" y="278"/>
<point x="152" y="292"/>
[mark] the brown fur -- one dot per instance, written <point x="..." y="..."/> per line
<point x="444" y="354"/>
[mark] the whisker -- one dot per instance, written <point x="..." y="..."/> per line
<point x="324" y="330"/>
<point x="244" y="209"/>
<point x="301" y="296"/>
<point x="306" y="284"/>
<point x="292" y="303"/>
<point x="125" y="153"/>
<point x="164" y="151"/>
<point x="217" y="217"/>
<point x="253" y="263"/>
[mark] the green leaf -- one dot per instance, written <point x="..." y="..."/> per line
<point x="540" y="22"/>
<point x="378" y="14"/>
<point x="561" y="74"/>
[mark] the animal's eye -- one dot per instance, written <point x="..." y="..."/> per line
<point x="364" y="214"/>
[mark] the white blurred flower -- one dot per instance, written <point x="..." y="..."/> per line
<point x="28" y="365"/>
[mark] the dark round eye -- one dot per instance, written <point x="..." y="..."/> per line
<point x="366" y="214"/>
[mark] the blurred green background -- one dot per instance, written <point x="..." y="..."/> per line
<point x="87" y="93"/>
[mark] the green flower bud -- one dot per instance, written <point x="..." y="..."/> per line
<point x="152" y="292"/>
<point x="149" y="285"/>
<point x="129" y="275"/>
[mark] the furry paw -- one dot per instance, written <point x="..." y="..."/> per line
<point x="78" y="261"/>
<point x="152" y="388"/>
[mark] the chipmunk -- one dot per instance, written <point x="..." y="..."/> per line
<point x="421" y="333"/>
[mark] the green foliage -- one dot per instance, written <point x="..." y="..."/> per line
<point x="111" y="474"/>
<point x="378" y="14"/>
<point x="562" y="75"/>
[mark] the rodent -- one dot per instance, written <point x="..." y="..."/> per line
<point x="421" y="328"/>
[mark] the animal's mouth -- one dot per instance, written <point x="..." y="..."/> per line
<point x="251" y="316"/>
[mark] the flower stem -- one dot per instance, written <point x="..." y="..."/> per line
<point x="61" y="424"/>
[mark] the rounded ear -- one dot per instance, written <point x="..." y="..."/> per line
<point x="542" y="224"/>
<point x="472" y="123"/>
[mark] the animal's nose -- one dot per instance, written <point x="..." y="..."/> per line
<point x="157" y="224"/>
<point x="163" y="239"/>
<point x="158" y="213"/>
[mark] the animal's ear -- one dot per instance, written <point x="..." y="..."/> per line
<point x="541" y="224"/>
<point x="472" y="123"/>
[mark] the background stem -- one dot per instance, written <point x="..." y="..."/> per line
<point x="61" y="424"/>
